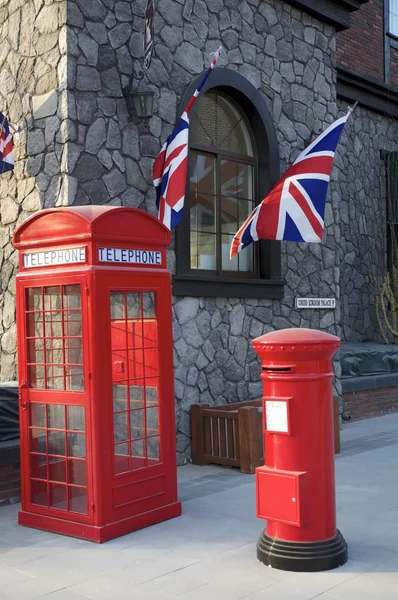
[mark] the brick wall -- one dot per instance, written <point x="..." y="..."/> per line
<point x="10" y="485"/>
<point x="361" y="48"/>
<point x="394" y="66"/>
<point x="365" y="404"/>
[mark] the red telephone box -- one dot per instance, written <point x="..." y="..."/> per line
<point x="98" y="456"/>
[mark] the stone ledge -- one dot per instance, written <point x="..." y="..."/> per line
<point x="371" y="382"/>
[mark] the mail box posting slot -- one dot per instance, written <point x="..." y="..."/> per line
<point x="285" y="369"/>
<point x="281" y="496"/>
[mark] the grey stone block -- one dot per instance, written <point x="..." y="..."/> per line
<point x="119" y="35"/>
<point x="35" y="143"/>
<point x="170" y="11"/>
<point x="88" y="79"/>
<point x="111" y="82"/>
<point x="96" y="191"/>
<point x="88" y="168"/>
<point x="106" y="58"/>
<point x="93" y="10"/>
<point x="96" y="136"/>
<point x="130" y="141"/>
<point x="123" y="11"/>
<point x="115" y="182"/>
<point x="189" y="57"/>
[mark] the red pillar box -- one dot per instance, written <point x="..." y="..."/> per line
<point x="98" y="455"/>
<point x="296" y="489"/>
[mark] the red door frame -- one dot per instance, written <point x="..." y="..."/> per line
<point x="29" y="396"/>
<point x="107" y="282"/>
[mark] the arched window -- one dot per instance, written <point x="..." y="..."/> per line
<point x="223" y="162"/>
<point x="233" y="163"/>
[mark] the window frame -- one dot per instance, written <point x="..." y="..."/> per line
<point x="391" y="166"/>
<point x="390" y="41"/>
<point x="219" y="156"/>
<point x="268" y="283"/>
<point x="389" y="12"/>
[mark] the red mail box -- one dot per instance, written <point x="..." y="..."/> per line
<point x="295" y="489"/>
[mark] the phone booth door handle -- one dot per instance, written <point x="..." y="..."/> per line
<point x="21" y="399"/>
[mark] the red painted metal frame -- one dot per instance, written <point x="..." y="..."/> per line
<point x="124" y="482"/>
<point x="281" y="495"/>
<point x="29" y="396"/>
<point x="125" y="502"/>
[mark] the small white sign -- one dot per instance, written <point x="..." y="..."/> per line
<point x="315" y="302"/>
<point x="65" y="256"/>
<point x="123" y="255"/>
<point x="276" y="416"/>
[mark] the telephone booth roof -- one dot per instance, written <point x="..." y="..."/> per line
<point x="56" y="226"/>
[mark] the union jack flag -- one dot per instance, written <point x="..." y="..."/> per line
<point x="170" y="167"/>
<point x="6" y="153"/>
<point x="294" y="210"/>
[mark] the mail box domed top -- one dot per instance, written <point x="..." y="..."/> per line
<point x="88" y="223"/>
<point x="296" y="343"/>
<point x="296" y="336"/>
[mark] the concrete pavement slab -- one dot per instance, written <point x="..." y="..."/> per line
<point x="210" y="551"/>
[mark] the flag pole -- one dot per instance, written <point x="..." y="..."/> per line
<point x="171" y="163"/>
<point x="1" y="133"/>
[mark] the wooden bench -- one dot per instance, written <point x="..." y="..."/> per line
<point x="232" y="434"/>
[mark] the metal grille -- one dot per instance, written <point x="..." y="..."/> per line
<point x="54" y="338"/>
<point x="57" y="453"/>
<point x="135" y="373"/>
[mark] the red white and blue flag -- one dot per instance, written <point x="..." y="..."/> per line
<point x="170" y="167"/>
<point x="6" y="147"/>
<point x="294" y="210"/>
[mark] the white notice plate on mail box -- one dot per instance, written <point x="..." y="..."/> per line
<point x="277" y="416"/>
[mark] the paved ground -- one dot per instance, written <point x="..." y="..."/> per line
<point x="209" y="552"/>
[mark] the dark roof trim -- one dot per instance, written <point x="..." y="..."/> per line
<point x="214" y="287"/>
<point x="354" y="87"/>
<point x="333" y="12"/>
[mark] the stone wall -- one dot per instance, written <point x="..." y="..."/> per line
<point x="361" y="175"/>
<point x="82" y="147"/>
<point x="33" y="95"/>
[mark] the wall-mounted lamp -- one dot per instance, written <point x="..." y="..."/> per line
<point x="139" y="101"/>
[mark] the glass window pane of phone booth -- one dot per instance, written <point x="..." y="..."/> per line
<point x="135" y="378"/>
<point x="54" y="338"/>
<point x="58" y="456"/>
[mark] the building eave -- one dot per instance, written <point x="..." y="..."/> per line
<point x="334" y="12"/>
<point x="355" y="87"/>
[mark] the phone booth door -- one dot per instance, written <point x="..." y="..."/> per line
<point x="143" y="401"/>
<point x="55" y="419"/>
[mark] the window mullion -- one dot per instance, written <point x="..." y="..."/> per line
<point x="255" y="197"/>
<point x="218" y="216"/>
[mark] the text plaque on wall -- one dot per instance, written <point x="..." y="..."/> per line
<point x="315" y="302"/>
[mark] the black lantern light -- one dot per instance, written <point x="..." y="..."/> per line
<point x="139" y="101"/>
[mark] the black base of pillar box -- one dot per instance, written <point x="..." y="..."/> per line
<point x="302" y="556"/>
